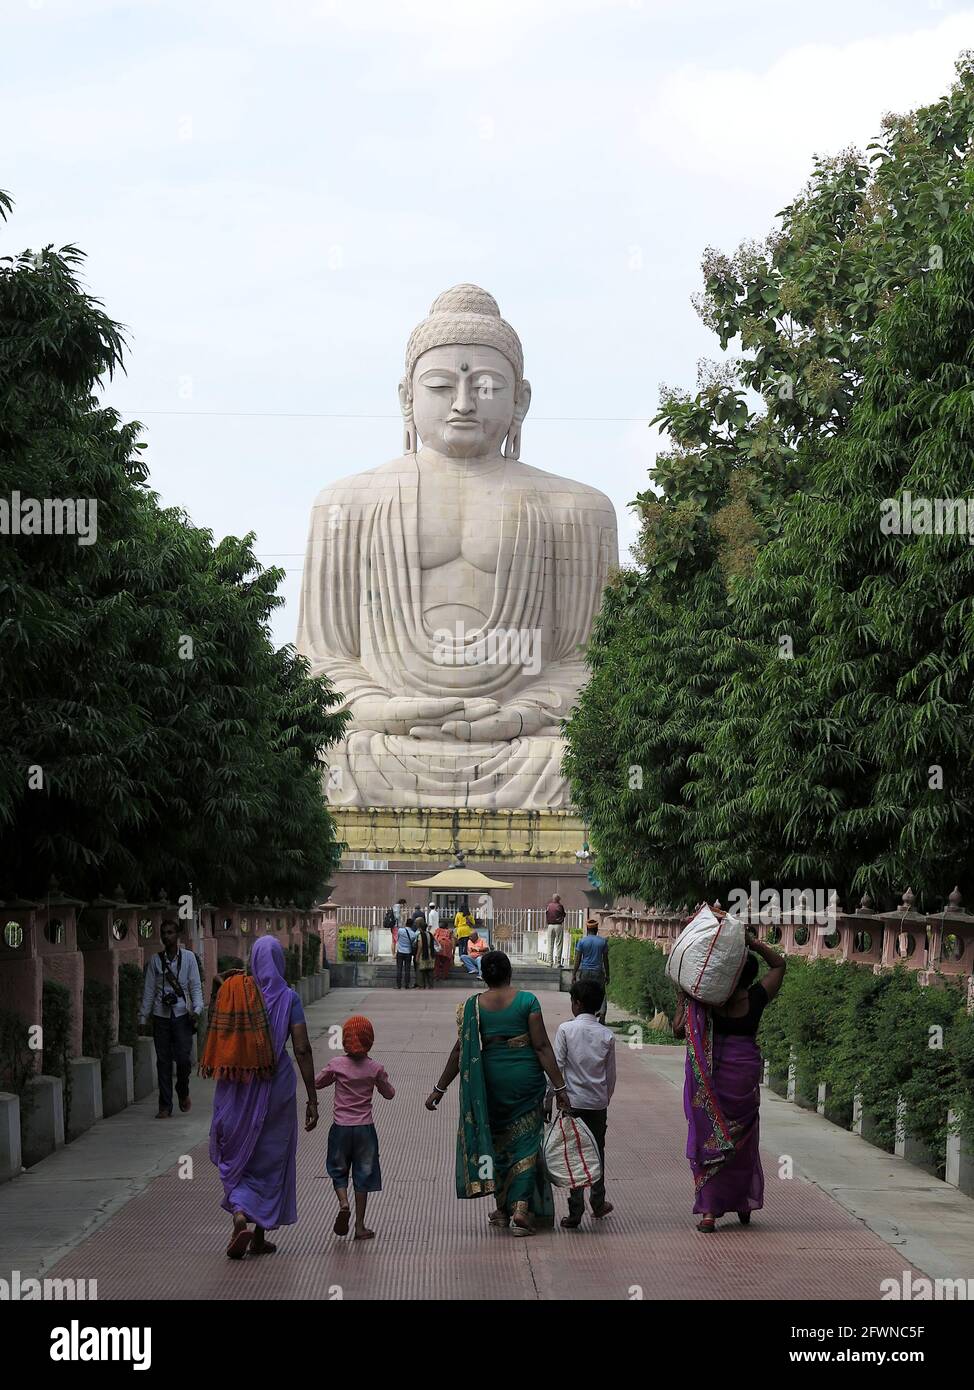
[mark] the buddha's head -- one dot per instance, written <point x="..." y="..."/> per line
<point x="464" y="391"/>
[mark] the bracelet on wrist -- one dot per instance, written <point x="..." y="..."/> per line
<point x="439" y="1089"/>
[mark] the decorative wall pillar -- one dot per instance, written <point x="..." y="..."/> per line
<point x="950" y="940"/>
<point x="62" y="962"/>
<point x="210" y="922"/>
<point x="21" y="970"/>
<point x="328" y="929"/>
<point x="154" y="913"/>
<point x="905" y="937"/>
<point x="866" y="932"/>
<point x="108" y="936"/>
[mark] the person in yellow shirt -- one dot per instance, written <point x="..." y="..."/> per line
<point x="462" y="927"/>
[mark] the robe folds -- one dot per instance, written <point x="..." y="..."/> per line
<point x="362" y="624"/>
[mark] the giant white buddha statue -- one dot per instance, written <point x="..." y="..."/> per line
<point x="449" y="593"/>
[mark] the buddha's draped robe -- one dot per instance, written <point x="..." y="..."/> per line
<point x="362" y="624"/>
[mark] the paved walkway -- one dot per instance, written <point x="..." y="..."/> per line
<point x="143" y="1231"/>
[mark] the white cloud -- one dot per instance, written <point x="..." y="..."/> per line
<point x="533" y="146"/>
<point x="748" y="126"/>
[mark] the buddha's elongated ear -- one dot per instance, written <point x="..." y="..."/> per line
<point x="512" y="445"/>
<point x="409" y="438"/>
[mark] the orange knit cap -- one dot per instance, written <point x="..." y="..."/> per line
<point x="358" y="1035"/>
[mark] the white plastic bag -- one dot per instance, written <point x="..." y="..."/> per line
<point x="571" y="1155"/>
<point x="707" y="957"/>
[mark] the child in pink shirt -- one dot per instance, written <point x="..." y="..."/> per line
<point x="352" y="1140"/>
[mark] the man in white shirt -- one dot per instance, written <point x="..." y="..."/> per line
<point x="172" y="997"/>
<point x="433" y="917"/>
<point x="585" y="1051"/>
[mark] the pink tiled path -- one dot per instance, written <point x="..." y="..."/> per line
<point x="169" y="1241"/>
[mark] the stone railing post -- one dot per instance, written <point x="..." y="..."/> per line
<point x="960" y="1156"/>
<point x="863" y="1122"/>
<point x="905" y="1146"/>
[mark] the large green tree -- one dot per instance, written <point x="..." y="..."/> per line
<point x="800" y="311"/>
<point x="152" y="735"/>
<point x="845" y="752"/>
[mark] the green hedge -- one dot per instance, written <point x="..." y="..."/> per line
<point x="637" y="978"/>
<point x="292" y="964"/>
<point x="96" y="1020"/>
<point x="350" y="933"/>
<point x="56" y="1021"/>
<point x="226" y="963"/>
<point x="849" y="1028"/>
<point x="130" y="982"/>
<point x="312" y="953"/>
<point x="16" y="1058"/>
<point x="878" y="1035"/>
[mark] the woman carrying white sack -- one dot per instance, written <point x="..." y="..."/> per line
<point x="722" y="1092"/>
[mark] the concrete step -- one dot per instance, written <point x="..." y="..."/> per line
<point x="382" y="975"/>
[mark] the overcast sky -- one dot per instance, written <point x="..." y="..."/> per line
<point x="271" y="193"/>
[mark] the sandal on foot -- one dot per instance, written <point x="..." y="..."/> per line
<point x="499" y="1220"/>
<point x="240" y="1244"/>
<point x="523" y="1224"/>
<point x="342" y="1221"/>
<point x="603" y="1210"/>
<point x="707" y="1225"/>
<point x="266" y="1247"/>
<point x="571" y="1223"/>
<point x="365" y="1234"/>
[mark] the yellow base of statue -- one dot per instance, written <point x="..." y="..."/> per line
<point x="551" y="837"/>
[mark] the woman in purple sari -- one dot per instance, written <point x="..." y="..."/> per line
<point x="722" y="1093"/>
<point x="254" y="1131"/>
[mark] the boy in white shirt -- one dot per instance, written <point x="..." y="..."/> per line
<point x="585" y="1050"/>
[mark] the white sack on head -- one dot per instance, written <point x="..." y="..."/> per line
<point x="708" y="956"/>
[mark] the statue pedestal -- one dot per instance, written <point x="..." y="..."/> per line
<point x="533" y="850"/>
<point x="498" y="837"/>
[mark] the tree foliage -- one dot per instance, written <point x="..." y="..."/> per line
<point x="152" y="735"/>
<point x="701" y="753"/>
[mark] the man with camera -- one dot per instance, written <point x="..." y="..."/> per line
<point x="174" y="996"/>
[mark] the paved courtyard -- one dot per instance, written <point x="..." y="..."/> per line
<point x="168" y="1240"/>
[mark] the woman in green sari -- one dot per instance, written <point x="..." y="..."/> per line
<point x="502" y="1055"/>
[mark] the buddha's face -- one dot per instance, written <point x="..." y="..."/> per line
<point x="464" y="400"/>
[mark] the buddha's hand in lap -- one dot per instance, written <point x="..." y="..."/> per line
<point x="510" y="722"/>
<point x="398" y="714"/>
<point x="471" y="711"/>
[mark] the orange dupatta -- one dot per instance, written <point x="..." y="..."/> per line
<point x="238" y="1038"/>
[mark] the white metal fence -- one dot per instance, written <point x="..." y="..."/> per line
<point x="523" y="932"/>
<point x="380" y="940"/>
<point x="520" y="931"/>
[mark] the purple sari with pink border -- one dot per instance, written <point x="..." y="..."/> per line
<point x="721" y="1100"/>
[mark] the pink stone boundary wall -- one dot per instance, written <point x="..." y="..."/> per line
<point x="932" y="944"/>
<point x="71" y="941"/>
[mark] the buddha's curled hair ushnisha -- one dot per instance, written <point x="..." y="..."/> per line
<point x="464" y="314"/>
